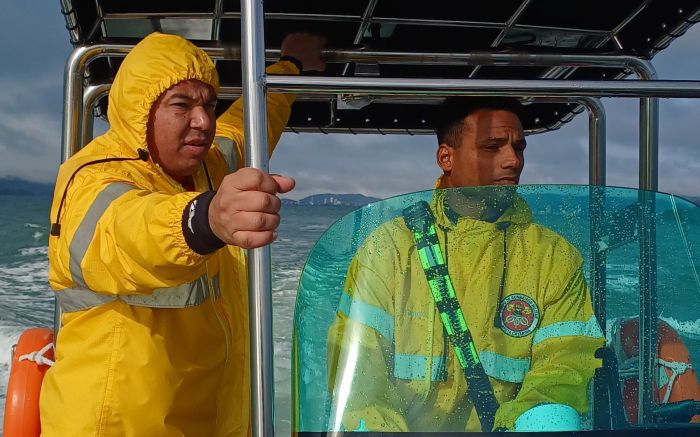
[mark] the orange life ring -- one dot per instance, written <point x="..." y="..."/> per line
<point x="24" y="385"/>
<point x="670" y="350"/>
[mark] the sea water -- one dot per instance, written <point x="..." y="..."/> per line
<point x="26" y="300"/>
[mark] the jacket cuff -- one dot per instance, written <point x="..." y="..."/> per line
<point x="283" y="66"/>
<point x="294" y="61"/>
<point x="195" y="225"/>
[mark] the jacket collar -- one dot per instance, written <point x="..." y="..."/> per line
<point x="518" y="212"/>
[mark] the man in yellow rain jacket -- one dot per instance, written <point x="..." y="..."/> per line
<point x="520" y="287"/>
<point x="146" y="257"/>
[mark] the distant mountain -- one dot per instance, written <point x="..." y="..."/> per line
<point x="13" y="186"/>
<point x="332" y="200"/>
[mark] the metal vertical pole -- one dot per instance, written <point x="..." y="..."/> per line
<point x="72" y="105"/>
<point x="600" y="407"/>
<point x="597" y="178"/>
<point x="259" y="278"/>
<point x="596" y="140"/>
<point x="596" y="175"/>
<point x="649" y="144"/>
<point x="648" y="181"/>
<point x="647" y="305"/>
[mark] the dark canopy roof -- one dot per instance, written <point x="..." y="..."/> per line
<point x="623" y="27"/>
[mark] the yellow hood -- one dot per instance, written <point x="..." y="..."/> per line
<point x="153" y="66"/>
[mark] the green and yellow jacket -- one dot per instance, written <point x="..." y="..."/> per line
<point x="391" y="367"/>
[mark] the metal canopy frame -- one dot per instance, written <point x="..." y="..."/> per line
<point x="636" y="29"/>
<point x="77" y="131"/>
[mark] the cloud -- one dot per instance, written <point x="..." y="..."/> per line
<point x="374" y="165"/>
<point x="30" y="128"/>
<point x="31" y="105"/>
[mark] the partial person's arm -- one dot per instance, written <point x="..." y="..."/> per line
<point x="562" y="357"/>
<point x="119" y="239"/>
<point x="360" y="352"/>
<point x="300" y="52"/>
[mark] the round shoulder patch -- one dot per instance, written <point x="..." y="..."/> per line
<point x="519" y="315"/>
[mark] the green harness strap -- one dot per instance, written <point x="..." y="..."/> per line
<point x="421" y="223"/>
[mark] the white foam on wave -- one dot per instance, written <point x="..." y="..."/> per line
<point x="32" y="225"/>
<point x="32" y="273"/>
<point x="31" y="251"/>
<point x="313" y="228"/>
<point x="690" y="328"/>
<point x="285" y="281"/>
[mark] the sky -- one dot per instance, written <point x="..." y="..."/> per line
<point x="36" y="45"/>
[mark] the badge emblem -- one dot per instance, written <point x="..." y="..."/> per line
<point x="519" y="315"/>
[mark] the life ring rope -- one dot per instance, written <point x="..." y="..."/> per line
<point x="32" y="357"/>
<point x="38" y="356"/>
<point x="677" y="368"/>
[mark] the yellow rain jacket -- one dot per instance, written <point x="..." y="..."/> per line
<point x="391" y="368"/>
<point x="155" y="336"/>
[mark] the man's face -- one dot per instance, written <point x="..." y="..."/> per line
<point x="491" y="151"/>
<point x="181" y="128"/>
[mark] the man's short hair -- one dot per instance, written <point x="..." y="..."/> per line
<point x="453" y="111"/>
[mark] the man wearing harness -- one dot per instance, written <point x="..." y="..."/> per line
<point x="149" y="223"/>
<point x="467" y="286"/>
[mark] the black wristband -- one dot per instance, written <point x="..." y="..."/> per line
<point x="294" y="61"/>
<point x="195" y="225"/>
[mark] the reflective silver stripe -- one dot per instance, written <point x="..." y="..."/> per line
<point x="226" y="148"/>
<point x="504" y="368"/>
<point x="588" y="328"/>
<point x="368" y="315"/>
<point x="78" y="299"/>
<point x="412" y="367"/>
<point x="86" y="230"/>
<point x="183" y="296"/>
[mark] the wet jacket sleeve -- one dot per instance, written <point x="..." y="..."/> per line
<point x="360" y="350"/>
<point x="563" y="347"/>
<point x="229" y="125"/>
<point x="116" y="238"/>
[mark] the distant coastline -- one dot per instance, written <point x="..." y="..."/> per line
<point x="329" y="199"/>
<point x="20" y="187"/>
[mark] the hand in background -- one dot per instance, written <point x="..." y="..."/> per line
<point x="307" y="48"/>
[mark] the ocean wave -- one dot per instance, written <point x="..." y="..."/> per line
<point x="32" y="225"/>
<point x="313" y="228"/>
<point x="31" y="251"/>
<point x="25" y="273"/>
<point x="690" y="328"/>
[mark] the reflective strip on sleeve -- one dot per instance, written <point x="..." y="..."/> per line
<point x="369" y="315"/>
<point x="183" y="296"/>
<point x="413" y="367"/>
<point x="86" y="230"/>
<point x="504" y="368"/>
<point x="588" y="328"/>
<point x="226" y="148"/>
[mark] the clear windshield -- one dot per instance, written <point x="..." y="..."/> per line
<point x="535" y="272"/>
